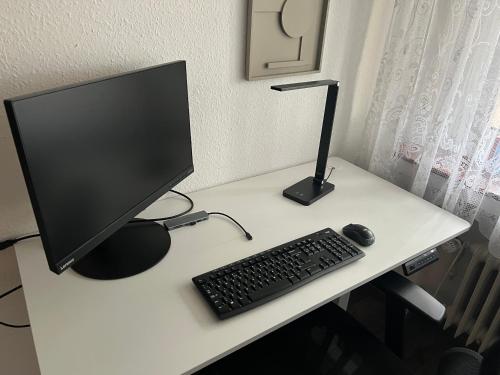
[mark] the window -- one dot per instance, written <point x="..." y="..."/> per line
<point x="487" y="182"/>
<point x="495" y="153"/>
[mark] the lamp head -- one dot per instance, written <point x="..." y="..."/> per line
<point x="305" y="85"/>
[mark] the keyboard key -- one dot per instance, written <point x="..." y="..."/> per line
<point x="221" y="309"/>
<point x="304" y="275"/>
<point x="345" y="255"/>
<point x="272" y="289"/>
<point x="314" y="269"/>
<point x="214" y="296"/>
<point x="233" y="304"/>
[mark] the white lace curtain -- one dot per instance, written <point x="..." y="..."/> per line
<point x="432" y="127"/>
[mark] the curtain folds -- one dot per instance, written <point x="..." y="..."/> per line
<point x="432" y="127"/>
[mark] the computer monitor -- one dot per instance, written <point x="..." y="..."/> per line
<point x="96" y="154"/>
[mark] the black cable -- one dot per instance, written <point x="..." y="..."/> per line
<point x="10" y="291"/>
<point x="8" y="243"/>
<point x="329" y="174"/>
<point x="191" y="203"/>
<point x="8" y="324"/>
<point x="14" y="325"/>
<point x="247" y="235"/>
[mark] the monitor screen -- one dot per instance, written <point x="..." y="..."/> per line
<point x="96" y="154"/>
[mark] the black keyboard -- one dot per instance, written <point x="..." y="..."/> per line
<point x="252" y="281"/>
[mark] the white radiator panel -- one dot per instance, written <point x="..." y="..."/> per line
<point x="492" y="334"/>
<point x="475" y="311"/>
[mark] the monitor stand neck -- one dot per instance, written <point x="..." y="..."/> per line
<point x="132" y="249"/>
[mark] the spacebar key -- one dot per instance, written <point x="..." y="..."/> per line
<point x="270" y="290"/>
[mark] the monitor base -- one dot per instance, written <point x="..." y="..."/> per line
<point x="133" y="249"/>
<point x="307" y="191"/>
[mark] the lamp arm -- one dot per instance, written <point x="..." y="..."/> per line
<point x="326" y="133"/>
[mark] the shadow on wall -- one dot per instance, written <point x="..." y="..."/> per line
<point x="352" y="90"/>
<point x="17" y="215"/>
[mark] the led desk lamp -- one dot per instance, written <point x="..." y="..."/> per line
<point x="310" y="189"/>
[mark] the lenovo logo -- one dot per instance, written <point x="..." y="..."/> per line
<point x="65" y="265"/>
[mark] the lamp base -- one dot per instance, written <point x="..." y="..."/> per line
<point x="308" y="191"/>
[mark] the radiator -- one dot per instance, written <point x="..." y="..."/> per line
<point x="475" y="308"/>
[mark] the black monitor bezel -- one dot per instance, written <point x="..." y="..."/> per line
<point x="60" y="265"/>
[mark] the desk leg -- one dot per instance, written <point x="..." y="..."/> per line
<point x="343" y="301"/>
<point x="395" y="316"/>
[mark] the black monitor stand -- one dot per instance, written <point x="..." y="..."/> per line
<point x="133" y="249"/>
<point x="310" y="189"/>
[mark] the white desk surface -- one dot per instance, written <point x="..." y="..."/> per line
<point x="157" y="323"/>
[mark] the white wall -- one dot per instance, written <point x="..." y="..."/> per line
<point x="239" y="128"/>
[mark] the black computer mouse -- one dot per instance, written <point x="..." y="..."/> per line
<point x="359" y="233"/>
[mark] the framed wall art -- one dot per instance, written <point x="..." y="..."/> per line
<point x="285" y="37"/>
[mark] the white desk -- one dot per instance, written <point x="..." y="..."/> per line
<point x="157" y="323"/>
